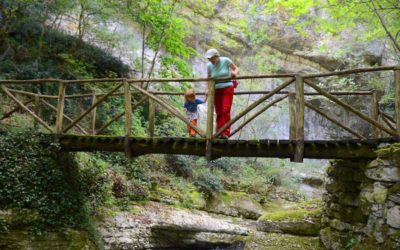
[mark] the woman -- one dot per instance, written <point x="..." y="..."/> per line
<point x="217" y="68"/>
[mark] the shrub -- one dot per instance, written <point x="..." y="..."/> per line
<point x="180" y="165"/>
<point x="31" y="177"/>
<point x="94" y="180"/>
<point x="138" y="190"/>
<point x="207" y="182"/>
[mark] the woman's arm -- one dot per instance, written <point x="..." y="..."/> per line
<point x="234" y="70"/>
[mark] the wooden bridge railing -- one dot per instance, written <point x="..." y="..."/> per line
<point x="381" y="122"/>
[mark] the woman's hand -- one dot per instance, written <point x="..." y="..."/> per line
<point x="234" y="70"/>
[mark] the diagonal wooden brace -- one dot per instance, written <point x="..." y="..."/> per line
<point x="65" y="116"/>
<point x="37" y="118"/>
<point x="9" y="113"/>
<point x="349" y="108"/>
<point x="120" y="115"/>
<point x="98" y="101"/>
<point x="254" y="105"/>
<point x="171" y="109"/>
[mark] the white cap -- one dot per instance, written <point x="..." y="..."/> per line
<point x="211" y="53"/>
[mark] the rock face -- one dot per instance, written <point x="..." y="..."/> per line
<point x="272" y="241"/>
<point x="362" y="203"/>
<point x="157" y="226"/>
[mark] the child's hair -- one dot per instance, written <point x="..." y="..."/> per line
<point x="189" y="93"/>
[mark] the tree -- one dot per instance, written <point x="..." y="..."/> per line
<point x="162" y="28"/>
<point x="379" y="17"/>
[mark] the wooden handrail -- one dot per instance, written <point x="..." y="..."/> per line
<point x="112" y="80"/>
<point x="339" y="93"/>
<point x="296" y="131"/>
<point x="351" y="71"/>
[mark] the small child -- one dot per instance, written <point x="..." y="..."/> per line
<point x="192" y="112"/>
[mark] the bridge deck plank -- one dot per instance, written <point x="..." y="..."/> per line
<point x="317" y="149"/>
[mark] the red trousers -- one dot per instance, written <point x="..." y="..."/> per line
<point x="223" y="104"/>
<point x="191" y="131"/>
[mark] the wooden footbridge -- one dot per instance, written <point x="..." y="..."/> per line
<point x="73" y="136"/>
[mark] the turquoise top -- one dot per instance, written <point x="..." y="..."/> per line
<point x="221" y="69"/>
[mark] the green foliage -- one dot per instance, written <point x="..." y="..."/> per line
<point x="75" y="68"/>
<point x="180" y="165"/>
<point x="342" y="15"/>
<point x="95" y="182"/>
<point x="31" y="178"/>
<point x="63" y="190"/>
<point x="59" y="59"/>
<point x="206" y="180"/>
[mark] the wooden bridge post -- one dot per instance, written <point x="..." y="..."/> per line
<point x="397" y="101"/>
<point x="292" y="116"/>
<point x="60" y="108"/>
<point x="94" y="114"/>
<point x="152" y="116"/>
<point x="299" y="150"/>
<point x="210" y="119"/>
<point x="375" y="114"/>
<point x="36" y="110"/>
<point x="128" y="118"/>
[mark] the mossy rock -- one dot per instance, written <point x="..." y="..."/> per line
<point x="237" y="204"/>
<point x="392" y="242"/>
<point x="189" y="199"/>
<point x="270" y="241"/>
<point x="392" y="150"/>
<point x="394" y="193"/>
<point x="165" y="195"/>
<point x="67" y="239"/>
<point x="290" y="215"/>
<point x="297" y="222"/>
<point x="335" y="240"/>
<point x="19" y="218"/>
<point x="395" y="189"/>
<point x="197" y="200"/>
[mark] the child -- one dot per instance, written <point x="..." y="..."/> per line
<point x="192" y="112"/>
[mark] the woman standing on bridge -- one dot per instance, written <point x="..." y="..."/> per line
<point x="217" y="68"/>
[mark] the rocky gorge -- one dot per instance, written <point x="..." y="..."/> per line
<point x="339" y="204"/>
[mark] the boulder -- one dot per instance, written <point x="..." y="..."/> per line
<point x="393" y="217"/>
<point x="334" y="240"/>
<point x="158" y="226"/>
<point x="388" y="174"/>
<point x="394" y="193"/>
<point x="297" y="222"/>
